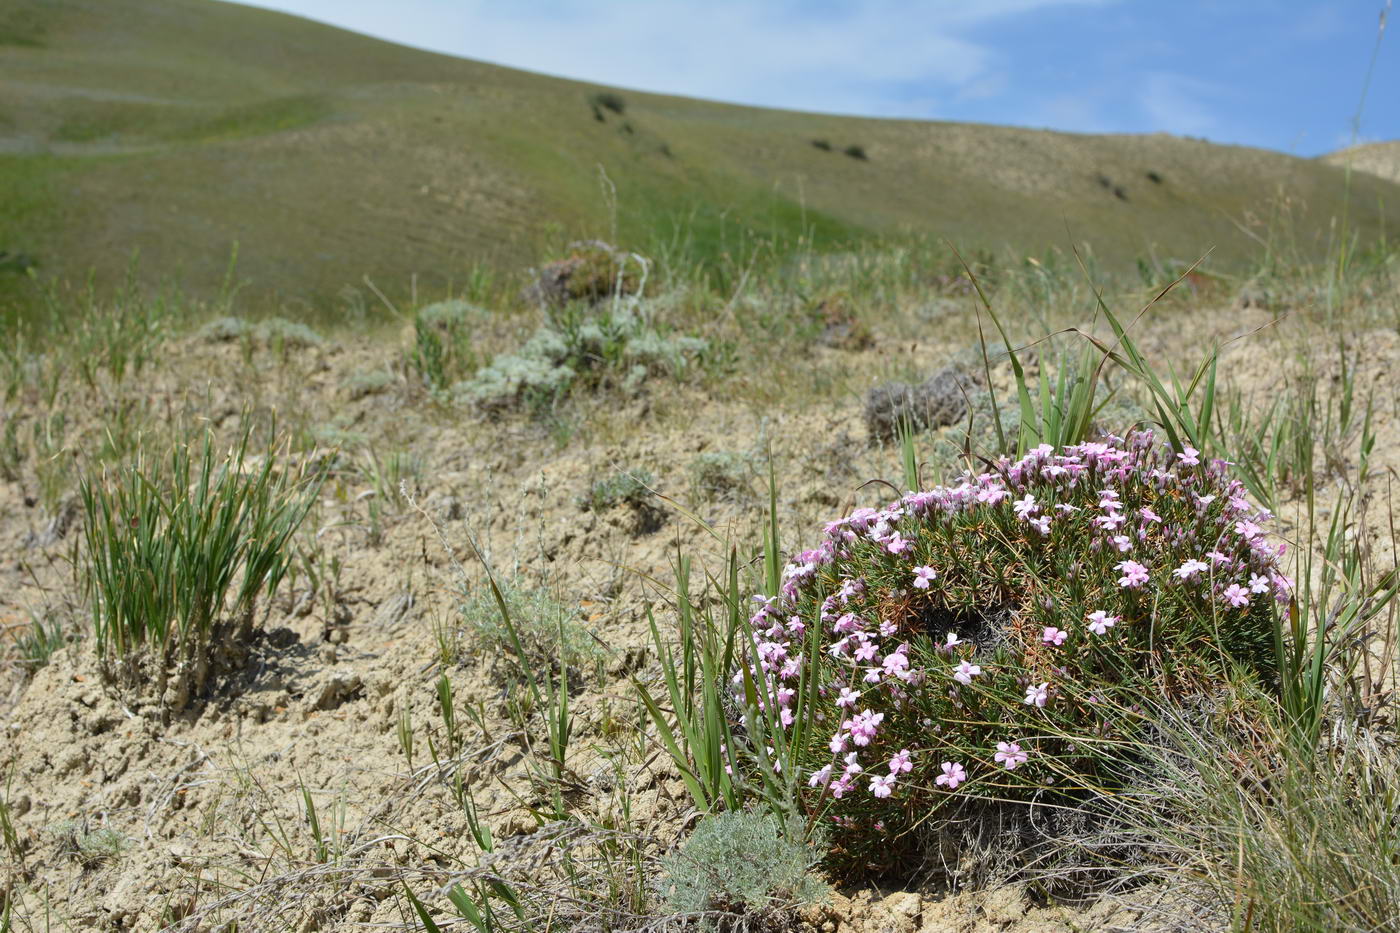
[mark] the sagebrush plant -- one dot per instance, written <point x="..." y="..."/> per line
<point x="551" y="635"/>
<point x="742" y="862"/>
<point x="993" y="640"/>
<point x="176" y="553"/>
<point x="614" y="346"/>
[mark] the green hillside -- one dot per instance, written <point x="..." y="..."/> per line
<point x="178" y="127"/>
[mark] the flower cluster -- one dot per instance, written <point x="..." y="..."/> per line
<point x="978" y="639"/>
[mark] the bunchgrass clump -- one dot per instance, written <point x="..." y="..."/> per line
<point x="176" y="554"/>
<point x="996" y="641"/>
<point x="742" y="869"/>
<point x="444" y="343"/>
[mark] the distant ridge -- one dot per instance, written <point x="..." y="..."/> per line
<point x="1379" y="159"/>
<point x="178" y="127"/>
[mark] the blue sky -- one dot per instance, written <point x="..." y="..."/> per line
<point x="1284" y="75"/>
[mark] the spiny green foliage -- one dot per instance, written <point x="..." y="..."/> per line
<point x="171" y="547"/>
<point x="742" y="862"/>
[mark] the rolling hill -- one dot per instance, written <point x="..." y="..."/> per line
<point x="177" y="128"/>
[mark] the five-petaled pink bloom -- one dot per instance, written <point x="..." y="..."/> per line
<point x="1100" y="622"/>
<point x="1258" y="583"/>
<point x="953" y="775"/>
<point x="1037" y="695"/>
<point x="1024" y="508"/>
<point x="952" y="642"/>
<point x="822" y="776"/>
<point x="966" y="671"/>
<point x="1134" y="574"/>
<point x="1041" y="524"/>
<point x="1236" y="595"/>
<point x="882" y="785"/>
<point x="1247" y="529"/>
<point x="1189" y="456"/>
<point x="1009" y="755"/>
<point x="1189" y="569"/>
<point x="922" y="576"/>
<point x="1054" y="636"/>
<point x="901" y="763"/>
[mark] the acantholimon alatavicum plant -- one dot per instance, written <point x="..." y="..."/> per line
<point x="996" y="640"/>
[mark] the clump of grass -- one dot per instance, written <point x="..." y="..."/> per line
<point x="856" y="151"/>
<point x="743" y="869"/>
<point x="176" y="553"/>
<point x="444" y="343"/>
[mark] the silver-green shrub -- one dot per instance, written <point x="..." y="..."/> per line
<point x="742" y="862"/>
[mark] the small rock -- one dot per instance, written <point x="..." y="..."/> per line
<point x="341" y="687"/>
<point x="393" y="610"/>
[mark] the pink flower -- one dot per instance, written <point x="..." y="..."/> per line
<point x="896" y="663"/>
<point x="1054" y="636"/>
<point x="853" y="763"/>
<point x="1189" y="456"/>
<point x="1148" y="515"/>
<point x="1024" y="508"/>
<point x="1189" y="569"/>
<point x="1037" y="695"/>
<point x="1247" y="529"/>
<point x="952" y="642"/>
<point x="1134" y="574"/>
<point x="838" y="743"/>
<point x="882" y="786"/>
<point x="1236" y="595"/>
<point x="847" y="698"/>
<point x="1041" y="524"/>
<point x="922" y="576"/>
<point x="953" y="775"/>
<point x="864" y="726"/>
<point x="965" y="672"/>
<point x="992" y="495"/>
<point x="901" y="763"/>
<point x="1009" y="755"/>
<point x="1100" y="622"/>
<point x="896" y="544"/>
<point x="866" y="651"/>
<point x="842" y="785"/>
<point x="1258" y="583"/>
<point x="822" y="776"/>
<point x="1123" y="543"/>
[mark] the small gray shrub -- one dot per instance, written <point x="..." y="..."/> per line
<point x="722" y="474"/>
<point x="743" y="862"/>
<point x="552" y="635"/>
<point x="614" y="348"/>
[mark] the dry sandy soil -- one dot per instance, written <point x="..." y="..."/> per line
<point x="128" y="822"/>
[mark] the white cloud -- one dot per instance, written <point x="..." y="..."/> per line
<point x="876" y="57"/>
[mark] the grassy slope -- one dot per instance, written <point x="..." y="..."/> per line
<point x="176" y="127"/>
